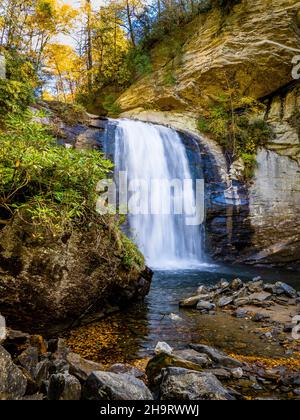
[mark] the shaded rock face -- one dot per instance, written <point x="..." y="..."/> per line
<point x="12" y="381"/>
<point x="275" y="193"/>
<point x="254" y="44"/>
<point x="47" y="286"/>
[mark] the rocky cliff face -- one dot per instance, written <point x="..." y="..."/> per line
<point x="252" y="46"/>
<point x="252" y="49"/>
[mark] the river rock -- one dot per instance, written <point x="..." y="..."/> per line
<point x="193" y="356"/>
<point x="162" y="361"/>
<point x="128" y="369"/>
<point x="29" y="359"/>
<point x="72" y="389"/>
<point x="202" y="305"/>
<point x="224" y="301"/>
<point x="64" y="387"/>
<point x="162" y="347"/>
<point x="236" y="284"/>
<point x="283" y="288"/>
<point x="218" y="357"/>
<point x="190" y="302"/>
<point x="12" y="381"/>
<point x="42" y="372"/>
<point x="113" y="386"/>
<point x="255" y="286"/>
<point x="81" y="368"/>
<point x="182" y="384"/>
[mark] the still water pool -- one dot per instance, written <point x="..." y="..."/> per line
<point x="134" y="332"/>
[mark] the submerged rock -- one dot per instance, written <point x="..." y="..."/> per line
<point x="217" y="356"/>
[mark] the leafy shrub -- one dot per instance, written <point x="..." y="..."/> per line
<point x="170" y="78"/>
<point x="17" y="90"/>
<point x="110" y="105"/>
<point x="53" y="187"/>
<point x="233" y="121"/>
<point x="138" y="63"/>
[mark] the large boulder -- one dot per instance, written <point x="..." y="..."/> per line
<point x="183" y="384"/>
<point x="113" y="386"/>
<point x="13" y="382"/>
<point x="46" y="285"/>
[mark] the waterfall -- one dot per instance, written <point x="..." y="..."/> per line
<point x="156" y="156"/>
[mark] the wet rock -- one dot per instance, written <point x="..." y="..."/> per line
<point x="112" y="386"/>
<point x="297" y="392"/>
<point x="183" y="384"/>
<point x="202" y="290"/>
<point x="42" y="372"/>
<point x="56" y="386"/>
<point x="223" y="284"/>
<point x="244" y="301"/>
<point x="64" y="387"/>
<point x="218" y="357"/>
<point x="162" y="361"/>
<point x="221" y="374"/>
<point x="283" y="288"/>
<point x="260" y="297"/>
<point x="224" y="301"/>
<point x="128" y="369"/>
<point x="270" y="288"/>
<point x="193" y="356"/>
<point x="259" y="317"/>
<point x="12" y="381"/>
<point x="60" y="366"/>
<point x="236" y="284"/>
<point x="256" y="286"/>
<point x="81" y="368"/>
<point x="241" y="313"/>
<point x="237" y="373"/>
<point x="190" y="302"/>
<point x="162" y="347"/>
<point x="29" y="359"/>
<point x="72" y="389"/>
<point x="202" y="305"/>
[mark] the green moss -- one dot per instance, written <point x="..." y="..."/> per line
<point x="110" y="105"/>
<point x="131" y="256"/>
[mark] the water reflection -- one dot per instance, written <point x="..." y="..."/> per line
<point x="134" y="332"/>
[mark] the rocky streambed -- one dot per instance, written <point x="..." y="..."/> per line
<point x="36" y="369"/>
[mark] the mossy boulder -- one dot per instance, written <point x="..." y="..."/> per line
<point x="48" y="284"/>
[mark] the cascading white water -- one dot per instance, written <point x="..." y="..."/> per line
<point x="154" y="153"/>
